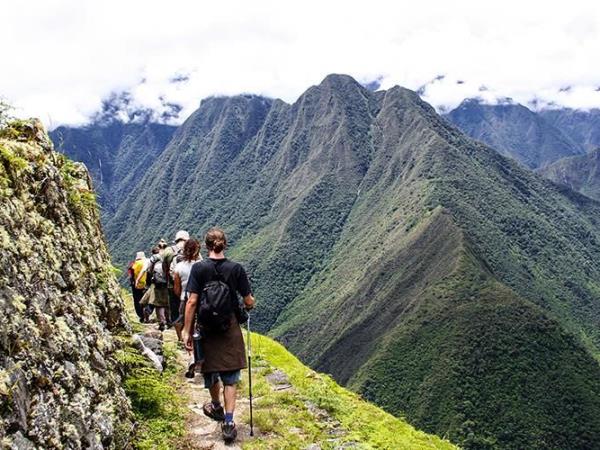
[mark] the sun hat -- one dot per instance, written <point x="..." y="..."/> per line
<point x="182" y="235"/>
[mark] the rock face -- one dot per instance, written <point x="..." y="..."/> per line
<point x="59" y="303"/>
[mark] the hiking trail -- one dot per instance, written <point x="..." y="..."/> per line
<point x="201" y="432"/>
<point x="294" y="407"/>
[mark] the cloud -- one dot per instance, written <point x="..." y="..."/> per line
<point x="62" y="58"/>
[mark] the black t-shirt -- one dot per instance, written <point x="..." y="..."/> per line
<point x="234" y="274"/>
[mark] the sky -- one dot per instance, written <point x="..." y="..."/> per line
<point x="62" y="58"/>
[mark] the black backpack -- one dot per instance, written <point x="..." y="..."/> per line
<point x="216" y="304"/>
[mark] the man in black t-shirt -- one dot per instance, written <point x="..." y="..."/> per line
<point x="224" y="353"/>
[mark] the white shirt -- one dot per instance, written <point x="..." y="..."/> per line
<point x="183" y="269"/>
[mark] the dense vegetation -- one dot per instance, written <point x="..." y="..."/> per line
<point x="383" y="241"/>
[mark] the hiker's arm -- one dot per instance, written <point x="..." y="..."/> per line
<point x="177" y="285"/>
<point x="142" y="272"/>
<point x="249" y="301"/>
<point x="190" y="312"/>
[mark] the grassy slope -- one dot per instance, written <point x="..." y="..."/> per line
<point x="285" y="417"/>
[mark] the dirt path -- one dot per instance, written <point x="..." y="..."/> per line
<point x="201" y="431"/>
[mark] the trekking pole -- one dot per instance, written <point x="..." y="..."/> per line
<point x="250" y="374"/>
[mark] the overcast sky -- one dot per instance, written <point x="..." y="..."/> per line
<point x="60" y="58"/>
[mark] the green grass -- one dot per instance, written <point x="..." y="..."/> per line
<point x="288" y="423"/>
<point x="157" y="405"/>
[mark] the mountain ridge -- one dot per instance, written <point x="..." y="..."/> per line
<point x="579" y="173"/>
<point x="583" y="126"/>
<point x="515" y="131"/>
<point x="349" y="202"/>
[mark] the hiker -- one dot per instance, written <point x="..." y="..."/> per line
<point x="222" y="342"/>
<point x="171" y="256"/>
<point x="181" y="274"/>
<point x="138" y="287"/>
<point x="147" y="301"/>
<point x="160" y="295"/>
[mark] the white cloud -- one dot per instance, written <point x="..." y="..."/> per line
<point x="61" y="57"/>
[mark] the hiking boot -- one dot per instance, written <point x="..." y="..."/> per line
<point x="161" y="327"/>
<point x="217" y="414"/>
<point x="191" y="371"/>
<point x="229" y="432"/>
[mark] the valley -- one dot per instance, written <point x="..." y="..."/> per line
<point x="421" y="268"/>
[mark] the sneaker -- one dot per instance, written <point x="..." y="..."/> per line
<point x="229" y="432"/>
<point x="217" y="414"/>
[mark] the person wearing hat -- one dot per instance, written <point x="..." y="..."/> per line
<point x="171" y="256"/>
<point x="139" y="283"/>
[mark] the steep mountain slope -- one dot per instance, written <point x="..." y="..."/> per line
<point x="581" y="126"/>
<point x="116" y="154"/>
<point x="414" y="264"/>
<point x="514" y="131"/>
<point x="60" y="384"/>
<point x="580" y="173"/>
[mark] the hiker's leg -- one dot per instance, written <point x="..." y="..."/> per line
<point x="230" y="381"/>
<point x="215" y="392"/>
<point x="178" y="330"/>
<point x="229" y="392"/>
<point x="173" y="307"/>
<point x="161" y="314"/>
<point x="137" y="296"/>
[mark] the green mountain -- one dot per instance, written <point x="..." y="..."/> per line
<point x="581" y="126"/>
<point x="580" y="173"/>
<point x="116" y="154"/>
<point x="417" y="266"/>
<point x="515" y="131"/>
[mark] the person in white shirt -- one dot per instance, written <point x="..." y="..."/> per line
<point x="181" y="274"/>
